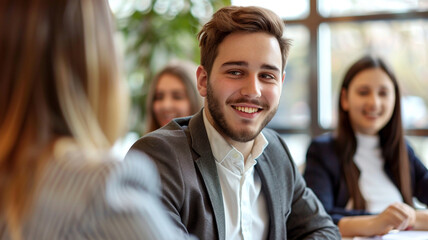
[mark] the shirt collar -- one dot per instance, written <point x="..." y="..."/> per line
<point x="223" y="151"/>
<point x="367" y="141"/>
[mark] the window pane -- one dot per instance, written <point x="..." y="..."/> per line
<point x="298" y="145"/>
<point x="329" y="8"/>
<point x="403" y="44"/>
<point x="286" y="9"/>
<point x="293" y="110"/>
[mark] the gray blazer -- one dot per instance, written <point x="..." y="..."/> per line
<point x="192" y="192"/>
<point x="77" y="199"/>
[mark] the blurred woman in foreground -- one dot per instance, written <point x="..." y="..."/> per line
<point x="62" y="106"/>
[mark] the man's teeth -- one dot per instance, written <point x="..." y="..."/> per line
<point x="247" y="109"/>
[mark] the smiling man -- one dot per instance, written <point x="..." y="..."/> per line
<point x="224" y="175"/>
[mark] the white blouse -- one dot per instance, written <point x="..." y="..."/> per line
<point x="376" y="187"/>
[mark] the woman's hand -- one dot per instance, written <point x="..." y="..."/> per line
<point x="398" y="216"/>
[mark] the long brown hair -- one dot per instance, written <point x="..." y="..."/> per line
<point x="59" y="78"/>
<point x="391" y="136"/>
<point x="186" y="72"/>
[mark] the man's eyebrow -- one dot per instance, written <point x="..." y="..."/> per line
<point x="235" y="63"/>
<point x="245" y="64"/>
<point x="270" y="67"/>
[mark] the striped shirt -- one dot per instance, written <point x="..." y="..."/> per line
<point x="77" y="199"/>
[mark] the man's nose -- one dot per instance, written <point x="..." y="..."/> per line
<point x="252" y="87"/>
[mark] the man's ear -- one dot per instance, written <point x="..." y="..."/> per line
<point x="283" y="77"/>
<point x="344" y="99"/>
<point x="202" y="78"/>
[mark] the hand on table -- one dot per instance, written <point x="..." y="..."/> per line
<point x="398" y="216"/>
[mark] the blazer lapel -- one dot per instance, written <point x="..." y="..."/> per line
<point x="208" y="169"/>
<point x="272" y="192"/>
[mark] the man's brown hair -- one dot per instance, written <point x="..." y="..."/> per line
<point x="232" y="19"/>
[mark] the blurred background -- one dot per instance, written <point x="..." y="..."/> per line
<point x="327" y="37"/>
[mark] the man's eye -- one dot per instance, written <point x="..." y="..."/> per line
<point x="235" y="73"/>
<point x="267" y="76"/>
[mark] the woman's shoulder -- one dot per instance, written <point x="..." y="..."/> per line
<point x="414" y="160"/>
<point x="83" y="170"/>
<point x="324" y="138"/>
<point x="324" y="141"/>
<point x="72" y="183"/>
<point x="322" y="149"/>
<point x="81" y="197"/>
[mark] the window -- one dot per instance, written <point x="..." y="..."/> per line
<point x="331" y="8"/>
<point x="294" y="110"/>
<point x="287" y="9"/>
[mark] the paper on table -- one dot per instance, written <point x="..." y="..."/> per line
<point x="414" y="235"/>
<point x="402" y="235"/>
<point x="367" y="238"/>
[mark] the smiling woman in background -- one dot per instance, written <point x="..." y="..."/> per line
<point x="172" y="94"/>
<point x="62" y="105"/>
<point x="366" y="174"/>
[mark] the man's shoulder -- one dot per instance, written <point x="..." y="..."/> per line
<point x="177" y="124"/>
<point x="175" y="128"/>
<point x="168" y="140"/>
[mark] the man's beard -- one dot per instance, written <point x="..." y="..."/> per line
<point x="214" y="107"/>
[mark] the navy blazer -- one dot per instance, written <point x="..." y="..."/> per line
<point x="323" y="173"/>
<point x="192" y="192"/>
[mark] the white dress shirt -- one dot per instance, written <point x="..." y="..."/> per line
<point x="376" y="187"/>
<point x="244" y="203"/>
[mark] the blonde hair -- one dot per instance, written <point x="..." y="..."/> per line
<point x="59" y="79"/>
